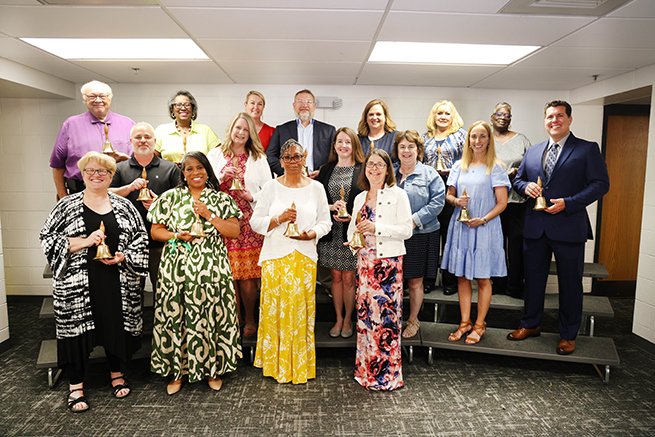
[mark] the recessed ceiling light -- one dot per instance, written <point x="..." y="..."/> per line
<point x="119" y="48"/>
<point x="438" y="53"/>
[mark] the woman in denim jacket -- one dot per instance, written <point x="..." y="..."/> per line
<point x="426" y="192"/>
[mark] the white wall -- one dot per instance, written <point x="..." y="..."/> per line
<point x="28" y="129"/>
<point x="644" y="315"/>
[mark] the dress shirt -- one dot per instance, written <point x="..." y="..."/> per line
<point x="306" y="139"/>
<point x="170" y="142"/>
<point x="84" y="133"/>
<point x="551" y="142"/>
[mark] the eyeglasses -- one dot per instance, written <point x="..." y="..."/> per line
<point x="409" y="147"/>
<point x="503" y="114"/>
<point x="182" y="105"/>
<point x="94" y="97"/>
<point x="101" y="172"/>
<point x="294" y="158"/>
<point x="378" y="165"/>
<point x="307" y="102"/>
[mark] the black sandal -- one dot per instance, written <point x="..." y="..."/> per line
<point x="118" y="387"/>
<point x="74" y="401"/>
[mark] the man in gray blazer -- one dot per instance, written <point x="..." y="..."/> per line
<point x="314" y="135"/>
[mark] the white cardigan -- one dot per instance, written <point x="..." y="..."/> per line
<point x="257" y="172"/>
<point x="312" y="213"/>
<point x="393" y="221"/>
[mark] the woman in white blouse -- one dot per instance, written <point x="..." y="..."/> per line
<point x="287" y="310"/>
<point x="242" y="157"/>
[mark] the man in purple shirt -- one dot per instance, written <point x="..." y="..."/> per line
<point x="86" y="132"/>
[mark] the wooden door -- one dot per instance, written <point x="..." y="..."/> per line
<point x="626" y="146"/>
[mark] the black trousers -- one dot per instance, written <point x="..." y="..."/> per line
<point x="512" y="220"/>
<point x="76" y="375"/>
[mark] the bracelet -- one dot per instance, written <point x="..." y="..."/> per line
<point x="277" y="220"/>
<point x="175" y="236"/>
<point x="485" y="221"/>
<point x="212" y="217"/>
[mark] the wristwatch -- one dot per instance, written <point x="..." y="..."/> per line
<point x="213" y="216"/>
<point x="485" y="221"/>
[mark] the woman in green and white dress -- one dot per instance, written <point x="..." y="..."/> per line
<point x="195" y="332"/>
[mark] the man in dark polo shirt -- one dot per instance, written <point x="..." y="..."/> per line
<point x="162" y="175"/>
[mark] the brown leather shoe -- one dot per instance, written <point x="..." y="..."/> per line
<point x="565" y="347"/>
<point x="522" y="333"/>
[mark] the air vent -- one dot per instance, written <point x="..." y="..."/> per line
<point x="592" y="8"/>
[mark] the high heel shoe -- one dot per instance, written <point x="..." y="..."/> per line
<point x="214" y="383"/>
<point x="175" y="385"/>
<point x="463" y="329"/>
<point x="479" y="330"/>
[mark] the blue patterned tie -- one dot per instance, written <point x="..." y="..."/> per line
<point x="551" y="159"/>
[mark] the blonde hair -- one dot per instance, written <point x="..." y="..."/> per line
<point x="105" y="161"/>
<point x="456" y="121"/>
<point x="490" y="158"/>
<point x="256" y="93"/>
<point x="253" y="145"/>
<point x="389" y="125"/>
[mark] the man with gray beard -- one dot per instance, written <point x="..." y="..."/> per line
<point x="315" y="136"/>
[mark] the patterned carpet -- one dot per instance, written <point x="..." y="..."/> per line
<point x="461" y="394"/>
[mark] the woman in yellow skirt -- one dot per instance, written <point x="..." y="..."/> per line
<point x="287" y="310"/>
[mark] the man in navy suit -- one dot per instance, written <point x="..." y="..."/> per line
<point x="574" y="175"/>
<point x="314" y="135"/>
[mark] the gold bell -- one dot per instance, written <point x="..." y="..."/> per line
<point x="343" y="212"/>
<point x="540" y="202"/>
<point x="106" y="146"/>
<point x="197" y="229"/>
<point x="103" y="250"/>
<point x="440" y="166"/>
<point x="358" y="241"/>
<point x="144" y="193"/>
<point x="236" y="182"/>
<point x="464" y="215"/>
<point x="292" y="227"/>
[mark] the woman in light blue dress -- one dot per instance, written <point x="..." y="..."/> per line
<point x="474" y="249"/>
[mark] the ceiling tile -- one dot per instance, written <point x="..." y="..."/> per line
<point x="88" y="22"/>
<point x="158" y="71"/>
<point x="266" y="50"/>
<point x="365" y="5"/>
<point x="477" y="28"/>
<point x="300" y="80"/>
<point x="636" y="9"/>
<point x="581" y="57"/>
<point x="468" y="6"/>
<point x="544" y="78"/>
<point x="242" y="68"/>
<point x="425" y="75"/>
<point x="614" y="33"/>
<point x="279" y="24"/>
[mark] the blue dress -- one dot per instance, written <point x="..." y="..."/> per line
<point x="476" y="252"/>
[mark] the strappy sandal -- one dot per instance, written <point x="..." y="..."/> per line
<point x="463" y="329"/>
<point x="118" y="387"/>
<point x="74" y="401"/>
<point x="477" y="329"/>
<point x="249" y="331"/>
<point x="411" y="329"/>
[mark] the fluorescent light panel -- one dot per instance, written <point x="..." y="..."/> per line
<point x="438" y="53"/>
<point x="119" y="48"/>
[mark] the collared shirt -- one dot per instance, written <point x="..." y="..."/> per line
<point x="306" y="139"/>
<point x="162" y="175"/>
<point x="170" y="143"/>
<point x="84" y="133"/>
<point x="550" y="145"/>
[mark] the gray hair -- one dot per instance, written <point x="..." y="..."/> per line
<point x="95" y="84"/>
<point x="290" y="143"/>
<point x="142" y="123"/>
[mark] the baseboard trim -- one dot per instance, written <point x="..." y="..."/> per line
<point x="643" y="343"/>
<point x="5" y="346"/>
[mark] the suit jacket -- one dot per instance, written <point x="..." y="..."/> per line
<point x="579" y="177"/>
<point x="323" y="134"/>
<point x="324" y="177"/>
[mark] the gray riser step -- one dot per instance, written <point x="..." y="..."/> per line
<point x="48" y="353"/>
<point x="588" y="350"/>
<point x="48" y="306"/>
<point x="591" y="305"/>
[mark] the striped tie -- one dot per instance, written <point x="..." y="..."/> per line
<point x="551" y="159"/>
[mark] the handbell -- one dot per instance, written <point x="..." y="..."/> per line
<point x="292" y="230"/>
<point x="236" y="185"/>
<point x="144" y="193"/>
<point x="106" y="146"/>
<point x="464" y="214"/>
<point x="343" y="213"/>
<point x="103" y="250"/>
<point x="540" y="202"/>
<point x="358" y="241"/>
<point x="197" y="229"/>
<point x="440" y="166"/>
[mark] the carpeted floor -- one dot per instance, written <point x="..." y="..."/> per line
<point x="461" y="394"/>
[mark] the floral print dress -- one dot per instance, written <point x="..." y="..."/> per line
<point x="379" y="316"/>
